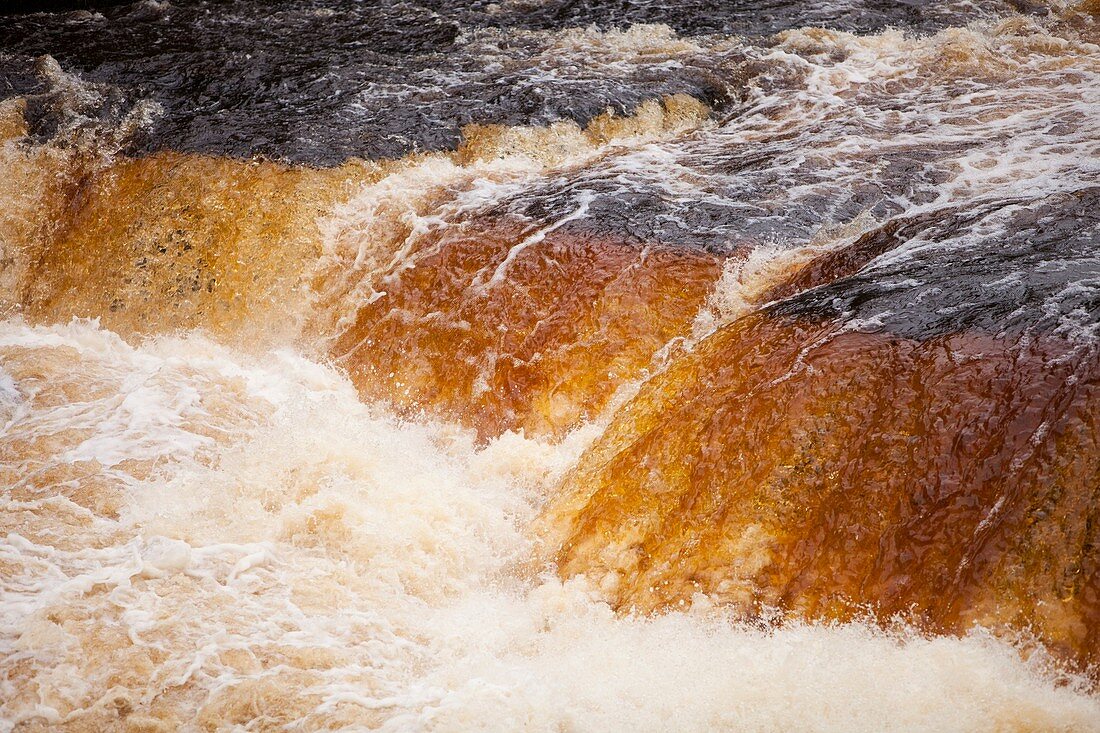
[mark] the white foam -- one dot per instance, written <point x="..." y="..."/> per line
<point x="324" y="566"/>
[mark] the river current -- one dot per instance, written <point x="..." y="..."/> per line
<point x="550" y="365"/>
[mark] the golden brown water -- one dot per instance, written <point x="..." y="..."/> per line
<point x="203" y="242"/>
<point x="951" y="481"/>
<point x="544" y="348"/>
<point x="777" y="411"/>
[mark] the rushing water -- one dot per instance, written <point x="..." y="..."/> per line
<point x="553" y="365"/>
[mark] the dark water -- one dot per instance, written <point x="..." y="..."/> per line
<point x="317" y="82"/>
<point x="1003" y="270"/>
<point x="804" y="325"/>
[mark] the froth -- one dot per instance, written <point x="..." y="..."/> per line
<point x="308" y="561"/>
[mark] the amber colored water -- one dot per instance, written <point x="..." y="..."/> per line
<point x="556" y="366"/>
<point x="537" y="341"/>
<point x="180" y="241"/>
<point x="950" y="481"/>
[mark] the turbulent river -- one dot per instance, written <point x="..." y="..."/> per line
<point x="550" y="365"/>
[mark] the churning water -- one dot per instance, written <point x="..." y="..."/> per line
<point x="550" y="366"/>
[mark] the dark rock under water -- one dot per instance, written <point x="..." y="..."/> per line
<point x="320" y="81"/>
<point x="358" y="359"/>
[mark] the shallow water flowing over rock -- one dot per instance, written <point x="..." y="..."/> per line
<point x="552" y="366"/>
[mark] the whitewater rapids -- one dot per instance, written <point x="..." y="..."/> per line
<point x="302" y="373"/>
<point x="227" y="543"/>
